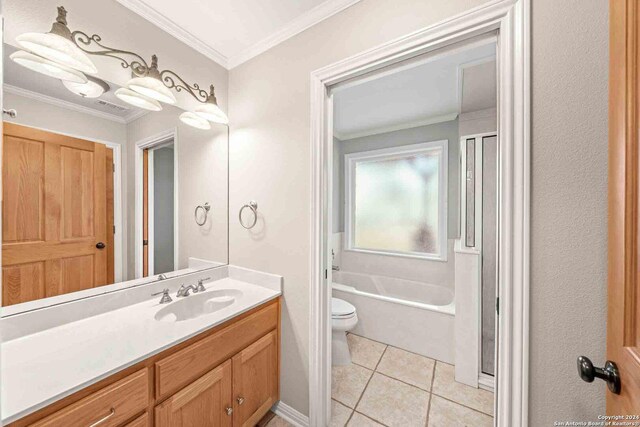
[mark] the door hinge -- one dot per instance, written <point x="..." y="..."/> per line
<point x="145" y="242"/>
<point x="326" y="273"/>
<point x="114" y="166"/>
<point x="498" y="306"/>
<point x="114" y="229"/>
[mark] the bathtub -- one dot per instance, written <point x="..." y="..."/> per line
<point x="415" y="316"/>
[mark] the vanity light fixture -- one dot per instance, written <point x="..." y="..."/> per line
<point x="137" y="99"/>
<point x="93" y="88"/>
<point x="58" y="46"/>
<point x="151" y="84"/>
<point x="210" y="110"/>
<point x="192" y="119"/>
<point x="68" y="51"/>
<point x="46" y="67"/>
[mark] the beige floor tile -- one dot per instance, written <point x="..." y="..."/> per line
<point x="444" y="385"/>
<point x="394" y="403"/>
<point x="348" y="383"/>
<point x="408" y="367"/>
<point x="279" y="422"/>
<point x="359" y="420"/>
<point x="444" y="413"/>
<point x="364" y="351"/>
<point x="339" y="414"/>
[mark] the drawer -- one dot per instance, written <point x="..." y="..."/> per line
<point x="113" y="404"/>
<point x="186" y="365"/>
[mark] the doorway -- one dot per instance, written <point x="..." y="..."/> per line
<point x="507" y="19"/>
<point x="156" y="208"/>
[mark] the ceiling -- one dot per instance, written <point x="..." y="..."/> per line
<point x="233" y="31"/>
<point x="24" y="82"/>
<point x="432" y="90"/>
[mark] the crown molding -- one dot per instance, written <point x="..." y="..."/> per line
<point x="393" y="128"/>
<point x="60" y="103"/>
<point x="296" y="26"/>
<point x="166" y="24"/>
<point x="135" y="115"/>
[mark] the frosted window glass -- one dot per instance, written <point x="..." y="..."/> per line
<point x="396" y="204"/>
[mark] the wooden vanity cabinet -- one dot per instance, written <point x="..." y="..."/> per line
<point x="255" y="381"/>
<point x="225" y="377"/>
<point x="205" y="402"/>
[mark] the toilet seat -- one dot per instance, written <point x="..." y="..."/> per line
<point x="341" y="309"/>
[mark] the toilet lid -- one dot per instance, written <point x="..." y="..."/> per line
<point x="341" y="308"/>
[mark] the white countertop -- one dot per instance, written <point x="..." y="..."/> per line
<point x="40" y="368"/>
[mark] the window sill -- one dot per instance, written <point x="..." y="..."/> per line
<point x="437" y="258"/>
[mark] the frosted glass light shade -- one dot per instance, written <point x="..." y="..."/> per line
<point x="46" y="67"/>
<point x="57" y="49"/>
<point x="138" y="100"/>
<point x="93" y="88"/>
<point x="213" y="113"/>
<point x="153" y="88"/>
<point x="194" y="120"/>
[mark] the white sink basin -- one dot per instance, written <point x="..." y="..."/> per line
<point x="196" y="305"/>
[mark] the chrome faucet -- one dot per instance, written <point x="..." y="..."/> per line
<point x="165" y="296"/>
<point x="184" y="290"/>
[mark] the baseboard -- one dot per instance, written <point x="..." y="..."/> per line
<point x="288" y="413"/>
<point x="486" y="382"/>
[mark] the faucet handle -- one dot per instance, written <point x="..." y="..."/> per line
<point x="200" y="287"/>
<point x="166" y="298"/>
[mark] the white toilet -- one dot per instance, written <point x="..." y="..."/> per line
<point x="343" y="319"/>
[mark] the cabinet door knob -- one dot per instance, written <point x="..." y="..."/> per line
<point x="229" y="410"/>
<point x="240" y="400"/>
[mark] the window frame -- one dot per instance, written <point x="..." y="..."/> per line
<point x="350" y="162"/>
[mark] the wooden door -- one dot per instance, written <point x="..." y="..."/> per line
<point x="53" y="214"/>
<point x="623" y="325"/>
<point x="255" y="381"/>
<point x="204" y="403"/>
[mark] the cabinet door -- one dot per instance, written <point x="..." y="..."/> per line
<point x="204" y="403"/>
<point x="255" y="380"/>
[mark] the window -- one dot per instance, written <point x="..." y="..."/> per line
<point x="396" y="201"/>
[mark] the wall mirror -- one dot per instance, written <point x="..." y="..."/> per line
<point x="115" y="169"/>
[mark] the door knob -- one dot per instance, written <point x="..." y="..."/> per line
<point x="100" y="245"/>
<point x="609" y="373"/>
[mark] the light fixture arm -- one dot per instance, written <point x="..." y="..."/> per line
<point x="138" y="64"/>
<point x="169" y="78"/>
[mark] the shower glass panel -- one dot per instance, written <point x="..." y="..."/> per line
<point x="489" y="250"/>
<point x="470" y="215"/>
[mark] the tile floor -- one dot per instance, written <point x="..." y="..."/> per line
<point x="387" y="386"/>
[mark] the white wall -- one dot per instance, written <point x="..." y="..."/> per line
<point x="568" y="206"/>
<point x="269" y="154"/>
<point x="202" y="177"/>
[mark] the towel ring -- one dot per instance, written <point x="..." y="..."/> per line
<point x="254" y="208"/>
<point x="205" y="208"/>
